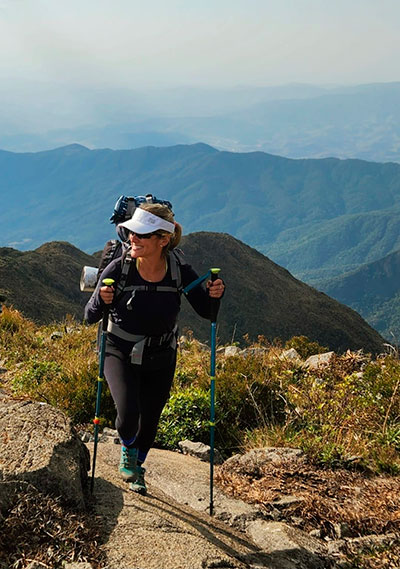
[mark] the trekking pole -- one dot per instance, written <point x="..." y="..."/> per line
<point x="102" y="352"/>
<point x="213" y="317"/>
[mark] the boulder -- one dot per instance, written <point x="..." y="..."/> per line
<point x="231" y="351"/>
<point x="319" y="360"/>
<point x="200" y="450"/>
<point x="39" y="446"/>
<point x="109" y="436"/>
<point x="186" y="343"/>
<point x="290" y="355"/>
<point x="57" y="335"/>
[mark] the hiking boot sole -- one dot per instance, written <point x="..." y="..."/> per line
<point x="138" y="489"/>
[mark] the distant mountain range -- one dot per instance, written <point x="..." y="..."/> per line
<point x="261" y="297"/>
<point x="373" y="291"/>
<point x="297" y="121"/>
<point x="317" y="218"/>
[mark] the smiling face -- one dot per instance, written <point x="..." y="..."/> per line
<point x="151" y="248"/>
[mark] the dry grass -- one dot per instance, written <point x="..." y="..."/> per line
<point x="37" y="527"/>
<point x="367" y="504"/>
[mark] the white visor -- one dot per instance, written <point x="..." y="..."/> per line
<point x="143" y="221"/>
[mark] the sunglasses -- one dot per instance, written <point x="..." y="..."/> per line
<point x="144" y="235"/>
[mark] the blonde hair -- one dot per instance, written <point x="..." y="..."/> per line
<point x="165" y="213"/>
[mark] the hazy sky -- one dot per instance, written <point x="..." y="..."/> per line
<point x="158" y="43"/>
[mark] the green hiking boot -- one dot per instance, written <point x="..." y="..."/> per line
<point x="139" y="486"/>
<point x="127" y="465"/>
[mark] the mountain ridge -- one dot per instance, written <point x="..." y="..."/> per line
<point x="261" y="297"/>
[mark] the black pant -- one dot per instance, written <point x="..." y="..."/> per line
<point x="139" y="396"/>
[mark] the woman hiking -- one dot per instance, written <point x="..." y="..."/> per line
<point x="144" y="303"/>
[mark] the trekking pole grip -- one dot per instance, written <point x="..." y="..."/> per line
<point x="214" y="307"/>
<point x="109" y="283"/>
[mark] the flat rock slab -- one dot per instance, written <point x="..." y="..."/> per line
<point x="154" y="531"/>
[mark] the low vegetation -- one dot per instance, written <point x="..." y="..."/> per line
<point x="345" y="415"/>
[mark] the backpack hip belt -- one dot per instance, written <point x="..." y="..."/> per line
<point x="140" y="341"/>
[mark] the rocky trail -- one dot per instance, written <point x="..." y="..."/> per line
<point x="170" y="528"/>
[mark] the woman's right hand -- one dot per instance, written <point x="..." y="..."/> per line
<point x="107" y="294"/>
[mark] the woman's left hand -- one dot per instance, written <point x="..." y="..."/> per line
<point x="216" y="288"/>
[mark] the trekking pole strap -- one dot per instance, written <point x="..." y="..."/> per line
<point x="196" y="282"/>
<point x="211" y="273"/>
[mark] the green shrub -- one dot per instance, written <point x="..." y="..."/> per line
<point x="185" y="416"/>
<point x="36" y="374"/>
<point x="305" y="347"/>
<point x="62" y="372"/>
<point x="18" y="337"/>
<point x="339" y="416"/>
<point x="73" y="392"/>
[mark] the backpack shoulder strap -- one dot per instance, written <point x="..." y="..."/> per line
<point x="176" y="258"/>
<point x="126" y="266"/>
<point x="112" y="250"/>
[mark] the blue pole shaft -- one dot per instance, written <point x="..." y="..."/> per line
<point x="96" y="420"/>
<point x="213" y="317"/>
<point x="212" y="414"/>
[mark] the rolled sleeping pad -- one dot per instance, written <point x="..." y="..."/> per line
<point x="88" y="279"/>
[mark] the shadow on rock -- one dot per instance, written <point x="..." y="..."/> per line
<point x="225" y="538"/>
<point x="238" y="546"/>
<point x="106" y="503"/>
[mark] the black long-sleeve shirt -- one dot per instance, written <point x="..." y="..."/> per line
<point x="153" y="313"/>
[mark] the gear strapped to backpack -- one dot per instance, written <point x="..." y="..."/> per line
<point x="123" y="210"/>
